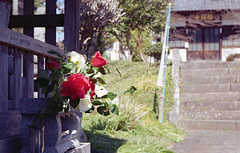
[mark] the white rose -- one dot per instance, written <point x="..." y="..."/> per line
<point x="77" y="59"/>
<point x="85" y="104"/>
<point x="100" y="91"/>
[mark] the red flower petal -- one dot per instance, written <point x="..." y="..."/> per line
<point x="98" y="60"/>
<point x="52" y="64"/>
<point x="65" y="89"/>
<point x="79" y="86"/>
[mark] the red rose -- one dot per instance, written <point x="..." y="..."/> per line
<point x="77" y="85"/>
<point x="52" y="65"/>
<point x="98" y="60"/>
<point x="64" y="88"/>
<point x="92" y="89"/>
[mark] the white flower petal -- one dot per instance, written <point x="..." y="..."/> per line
<point x="100" y="91"/>
<point x="85" y="104"/>
<point x="77" y="58"/>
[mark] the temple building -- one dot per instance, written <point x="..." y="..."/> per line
<point x="205" y="29"/>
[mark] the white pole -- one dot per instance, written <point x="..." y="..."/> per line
<point x="160" y="73"/>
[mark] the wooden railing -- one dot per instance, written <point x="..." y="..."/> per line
<point x="21" y="58"/>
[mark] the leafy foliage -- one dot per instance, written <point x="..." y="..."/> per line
<point x="140" y="15"/>
<point x="154" y="50"/>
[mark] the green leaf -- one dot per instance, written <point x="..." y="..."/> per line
<point x="131" y="90"/>
<point x="90" y="110"/>
<point x="43" y="73"/>
<point x="93" y="80"/>
<point x="90" y="71"/>
<point x="42" y="82"/>
<point x="111" y="95"/>
<point x="36" y="118"/>
<point x="68" y="67"/>
<point x="114" y="109"/>
<point x="102" y="71"/>
<point x="119" y="72"/>
<point x="54" y="52"/>
<point x="74" y="103"/>
<point x="103" y="110"/>
<point x="104" y="96"/>
<point x="107" y="69"/>
<point x="100" y="80"/>
<point x="97" y="102"/>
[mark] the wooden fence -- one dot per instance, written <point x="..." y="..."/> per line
<point x="21" y="58"/>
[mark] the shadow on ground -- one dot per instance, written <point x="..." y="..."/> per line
<point x="101" y="143"/>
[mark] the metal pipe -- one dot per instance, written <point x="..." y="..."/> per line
<point x="165" y="67"/>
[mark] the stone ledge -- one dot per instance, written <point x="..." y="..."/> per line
<point x="10" y="145"/>
<point x="10" y="124"/>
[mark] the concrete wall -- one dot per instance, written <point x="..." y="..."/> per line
<point x="228" y="51"/>
<point x="182" y="53"/>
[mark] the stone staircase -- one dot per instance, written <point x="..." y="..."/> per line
<point x="210" y="95"/>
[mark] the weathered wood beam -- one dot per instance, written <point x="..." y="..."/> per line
<point x="50" y="36"/>
<point x="28" y="10"/>
<point x="29" y="21"/>
<point x="26" y="43"/>
<point x="72" y="25"/>
<point x="4" y="78"/>
<point x="17" y="78"/>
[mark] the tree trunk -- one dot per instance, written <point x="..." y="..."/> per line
<point x="120" y="44"/>
<point x="135" y="50"/>
<point x="94" y="44"/>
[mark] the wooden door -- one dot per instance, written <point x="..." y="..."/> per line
<point x="203" y="44"/>
<point x="211" y="43"/>
<point x="195" y="50"/>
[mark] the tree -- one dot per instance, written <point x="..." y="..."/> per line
<point x="141" y="15"/>
<point x="95" y="16"/>
<point x="154" y="50"/>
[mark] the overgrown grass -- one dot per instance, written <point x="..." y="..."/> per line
<point x="137" y="128"/>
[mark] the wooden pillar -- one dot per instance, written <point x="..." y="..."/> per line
<point x="71" y="25"/>
<point x="4" y="78"/>
<point x="40" y="66"/>
<point x="28" y="10"/>
<point x="51" y="31"/>
<point x="17" y="78"/>
<point x="28" y="82"/>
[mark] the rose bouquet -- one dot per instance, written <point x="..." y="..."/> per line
<point x="74" y="83"/>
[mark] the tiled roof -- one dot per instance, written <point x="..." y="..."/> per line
<point x="194" y="5"/>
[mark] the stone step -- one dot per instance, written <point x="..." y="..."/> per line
<point x="201" y="88"/>
<point x="197" y="106"/>
<point x="209" y="124"/>
<point x="209" y="64"/>
<point x="210" y="97"/>
<point x="210" y="115"/>
<point x="209" y="80"/>
<point x="204" y="72"/>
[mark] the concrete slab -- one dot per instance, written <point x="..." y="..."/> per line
<point x="208" y="80"/>
<point x="209" y="142"/>
<point x="209" y="64"/>
<point x="205" y="72"/>
<point x="210" y="106"/>
<point x="208" y="124"/>
<point x="210" y="115"/>
<point x="202" y="88"/>
<point x="210" y="97"/>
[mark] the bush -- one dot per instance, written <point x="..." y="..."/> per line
<point x="154" y="50"/>
<point x="233" y="57"/>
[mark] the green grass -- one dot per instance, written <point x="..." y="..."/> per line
<point x="137" y="128"/>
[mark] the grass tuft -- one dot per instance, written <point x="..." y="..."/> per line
<point x="137" y="128"/>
